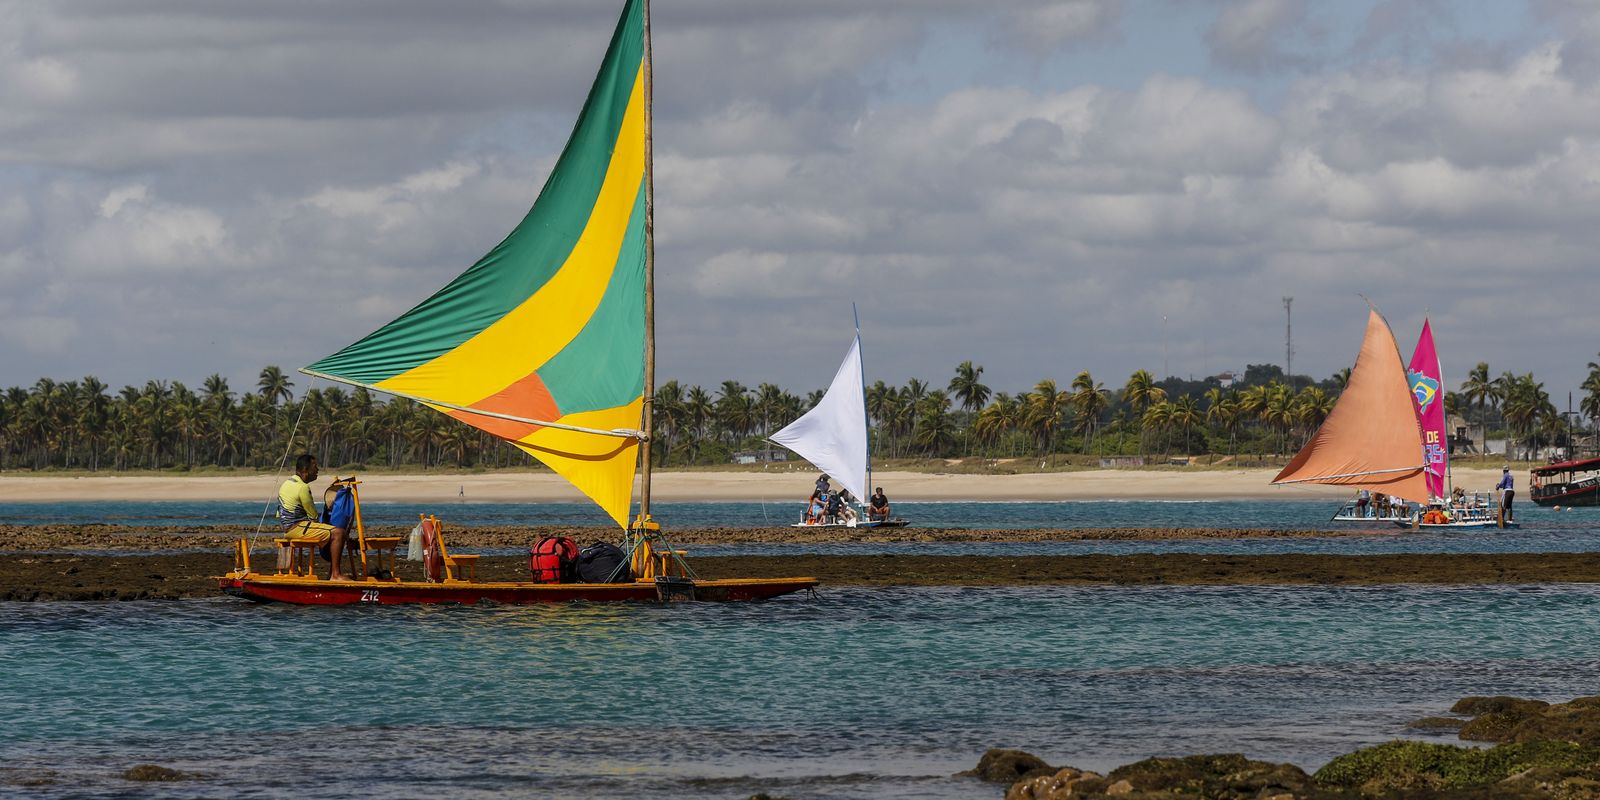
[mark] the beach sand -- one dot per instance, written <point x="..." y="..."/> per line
<point x="794" y="484"/>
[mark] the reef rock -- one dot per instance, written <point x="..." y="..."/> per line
<point x="1000" y="765"/>
<point x="1067" y="782"/>
<point x="155" y="773"/>
<point x="1510" y="719"/>
<point x="1222" y="776"/>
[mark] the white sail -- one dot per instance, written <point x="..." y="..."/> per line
<point x="833" y="435"/>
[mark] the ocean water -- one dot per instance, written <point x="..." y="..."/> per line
<point x="857" y="693"/>
<point x="1275" y="514"/>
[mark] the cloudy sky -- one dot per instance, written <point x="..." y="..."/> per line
<point x="194" y="186"/>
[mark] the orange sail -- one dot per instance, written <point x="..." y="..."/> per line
<point x="1371" y="439"/>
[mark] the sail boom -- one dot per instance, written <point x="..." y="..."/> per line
<point x="1320" y="478"/>
<point x="621" y="433"/>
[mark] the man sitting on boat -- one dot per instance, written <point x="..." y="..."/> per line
<point x="835" y="507"/>
<point x="878" y="506"/>
<point x="297" y="513"/>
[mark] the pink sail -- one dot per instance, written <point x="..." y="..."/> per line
<point x="1427" y="390"/>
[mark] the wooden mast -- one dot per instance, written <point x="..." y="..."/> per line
<point x="648" y="426"/>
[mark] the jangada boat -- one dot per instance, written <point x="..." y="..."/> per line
<point x="1375" y="437"/>
<point x="548" y="343"/>
<point x="833" y="437"/>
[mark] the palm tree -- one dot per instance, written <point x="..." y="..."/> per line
<point x="1341" y="378"/>
<point x="94" y="408"/>
<point x="1185" y="414"/>
<point x="967" y="388"/>
<point x="1479" y="391"/>
<point x="996" y="419"/>
<point x="734" y="412"/>
<point x="1157" y="417"/>
<point x="1140" y="392"/>
<point x="274" y="385"/>
<point x="1279" y="411"/>
<point x="935" y="431"/>
<point x="669" y="414"/>
<point x="767" y="405"/>
<point x="1311" y="407"/>
<point x="1046" y="408"/>
<point x="1089" y="399"/>
<point x="1224" y="412"/>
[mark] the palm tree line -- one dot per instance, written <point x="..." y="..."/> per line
<point x="163" y="425"/>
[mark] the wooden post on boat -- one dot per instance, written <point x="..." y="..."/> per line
<point x="648" y="426"/>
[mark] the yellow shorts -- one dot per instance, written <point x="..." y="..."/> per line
<point x="309" y="531"/>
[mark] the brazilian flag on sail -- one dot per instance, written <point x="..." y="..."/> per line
<point x="549" y="326"/>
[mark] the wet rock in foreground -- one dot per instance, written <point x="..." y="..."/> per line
<point x="1542" y="750"/>
<point x="155" y="773"/>
<point x="1000" y="765"/>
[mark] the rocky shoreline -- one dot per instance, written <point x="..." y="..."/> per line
<point x="1539" y="750"/>
<point x="118" y="562"/>
<point x="35" y="538"/>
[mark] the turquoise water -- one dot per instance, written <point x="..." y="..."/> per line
<point x="858" y="693"/>
<point x="1275" y="514"/>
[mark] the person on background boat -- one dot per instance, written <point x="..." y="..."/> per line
<point x="835" y="507"/>
<point x="1507" y="492"/>
<point x="1363" y="497"/>
<point x="847" y="507"/>
<point x="822" y="484"/>
<point x="878" y="506"/>
<point x="1382" y="504"/>
<point x="297" y="513"/>
<point x="816" y="508"/>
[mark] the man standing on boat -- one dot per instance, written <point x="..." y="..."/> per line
<point x="297" y="513"/>
<point x="1507" y="492"/>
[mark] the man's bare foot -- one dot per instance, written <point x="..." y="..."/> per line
<point x="337" y="577"/>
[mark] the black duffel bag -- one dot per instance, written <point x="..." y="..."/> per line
<point x="603" y="562"/>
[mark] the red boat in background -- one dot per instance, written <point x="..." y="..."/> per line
<point x="1569" y="483"/>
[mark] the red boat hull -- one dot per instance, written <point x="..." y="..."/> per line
<point x="311" y="592"/>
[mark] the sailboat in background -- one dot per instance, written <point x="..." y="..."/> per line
<point x="1467" y="510"/>
<point x="833" y="437"/>
<point x="547" y="342"/>
<point x="1371" y="440"/>
<point x="1377" y="438"/>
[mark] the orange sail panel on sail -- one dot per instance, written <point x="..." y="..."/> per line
<point x="541" y="342"/>
<point x="1371" y="439"/>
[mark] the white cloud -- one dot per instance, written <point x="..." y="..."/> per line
<point x="1249" y="34"/>
<point x="212" y="187"/>
<point x="38" y="335"/>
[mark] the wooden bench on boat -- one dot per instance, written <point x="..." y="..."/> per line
<point x="454" y="566"/>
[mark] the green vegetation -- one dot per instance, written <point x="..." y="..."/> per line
<point x="1403" y="765"/>
<point x="80" y="425"/>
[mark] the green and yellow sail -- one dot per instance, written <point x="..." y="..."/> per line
<point x="549" y="326"/>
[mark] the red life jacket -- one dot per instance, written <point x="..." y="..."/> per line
<point x="553" y="559"/>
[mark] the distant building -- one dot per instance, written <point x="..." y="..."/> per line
<point x="760" y="456"/>
<point x="1227" y="379"/>
<point x="1108" y="462"/>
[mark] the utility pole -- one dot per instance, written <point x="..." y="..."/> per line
<point x="1166" y="369"/>
<point x="1288" y="341"/>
